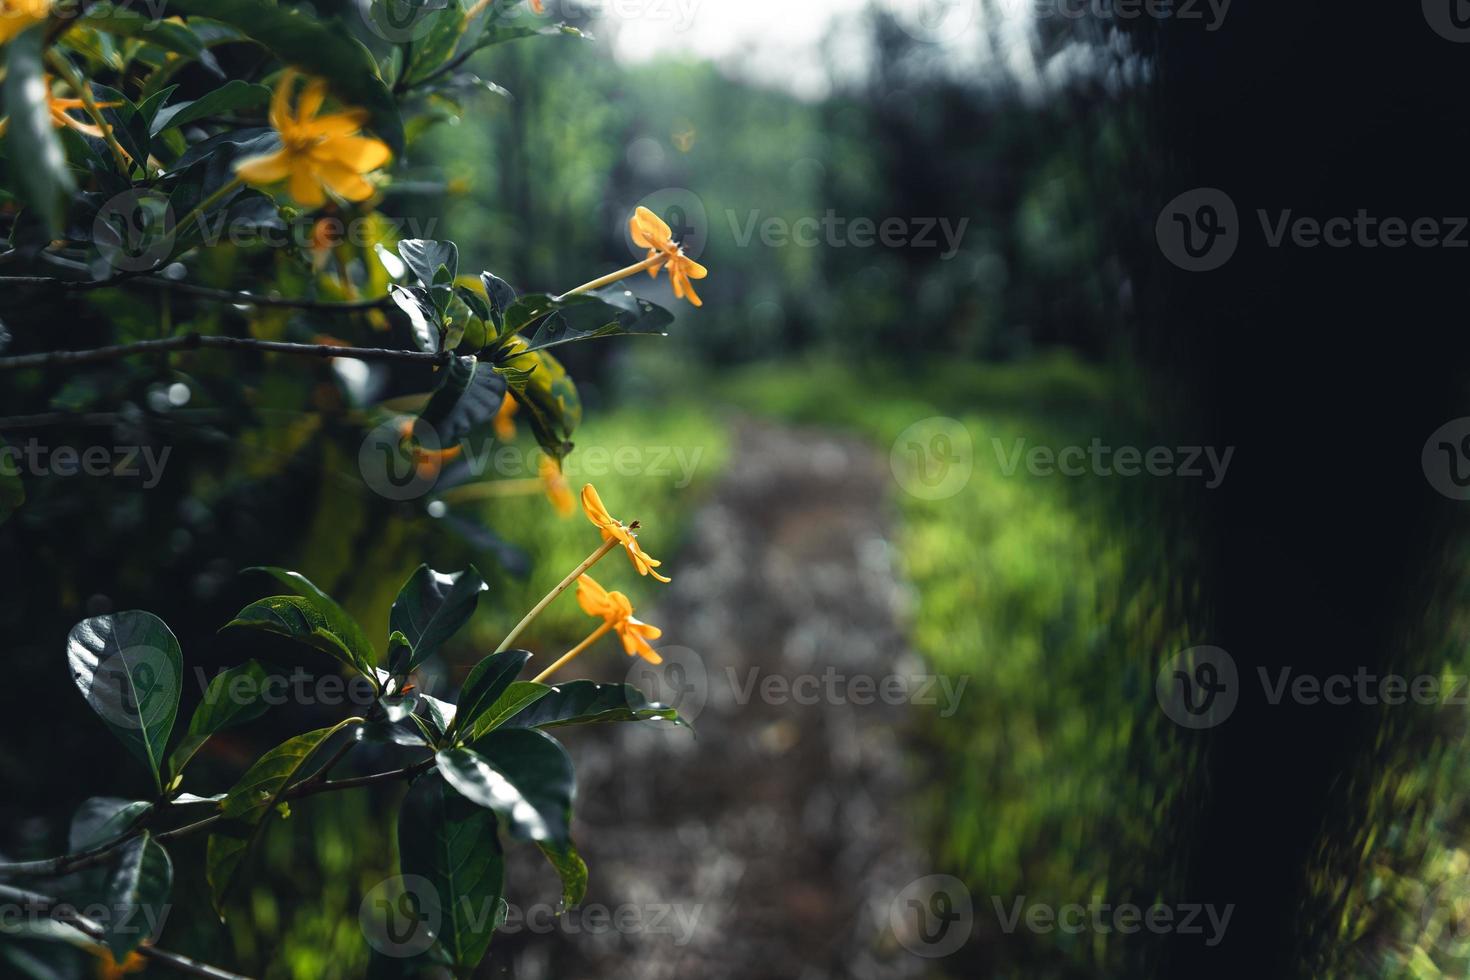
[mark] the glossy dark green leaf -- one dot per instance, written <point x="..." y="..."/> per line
<point x="468" y="397"/>
<point x="229" y="97"/>
<point x="249" y="801"/>
<point x="605" y="313"/>
<point x="320" y="46"/>
<point x="318" y="614"/>
<point x="487" y="682"/>
<point x="137" y="895"/>
<point x="523" y="775"/>
<point x="430" y="608"/>
<point x="453" y="845"/>
<point x="546" y="394"/>
<point x="570" y="868"/>
<point x="423" y="317"/>
<point x="44" y="179"/>
<point x="586" y="702"/>
<point x="128" y="125"/>
<point x="103" y="818"/>
<point x="501" y="297"/>
<point x="425" y="257"/>
<point x="129" y="667"/>
<point x="515" y="699"/>
<point x="438" y="714"/>
<point x="234" y="697"/>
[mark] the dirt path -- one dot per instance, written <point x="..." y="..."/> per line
<point x="771" y="844"/>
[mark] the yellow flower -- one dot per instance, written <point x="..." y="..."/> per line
<point x="614" y="530"/>
<point x="427" y="462"/>
<point x="58" y="106"/>
<point x="317" y="151"/>
<point x="557" y="490"/>
<point x="504" y="422"/>
<point x="649" y="231"/>
<point x="617" y="611"/>
<point x="17" y="15"/>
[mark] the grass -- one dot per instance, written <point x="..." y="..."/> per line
<point x="1059" y="600"/>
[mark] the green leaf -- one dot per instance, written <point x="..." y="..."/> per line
<point x="137" y="895"/>
<point x="453" y="845"/>
<point x="232" y="698"/>
<point x="438" y="45"/>
<point x="425" y="258"/>
<point x="500" y="33"/>
<point x="336" y="619"/>
<point x="103" y="818"/>
<point x="234" y="94"/>
<point x="423" y="316"/>
<point x="501" y="297"/>
<point x="178" y="38"/>
<point x="297" y="618"/>
<point x="545" y="393"/>
<point x="587" y="702"/>
<point x="570" y="868"/>
<point x="249" y="801"/>
<point x="605" y="313"/>
<point x="129" y="667"/>
<point x="523" y="775"/>
<point x="514" y="700"/>
<point x="487" y="681"/>
<point x="468" y="396"/>
<point x="320" y="46"/>
<point x="430" y="608"/>
<point x="32" y="141"/>
<point x="439" y="714"/>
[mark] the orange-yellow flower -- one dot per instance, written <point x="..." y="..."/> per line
<point x="614" y="530"/>
<point x="504" y="422"/>
<point x="557" y="490"/>
<point x="110" y="969"/>
<point x="58" y="106"/>
<point x="617" y="611"/>
<point x="318" y="152"/>
<point x="17" y="15"/>
<point x="649" y="231"/>
<point x="427" y="462"/>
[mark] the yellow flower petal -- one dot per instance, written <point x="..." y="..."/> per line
<point x="592" y="507"/>
<point x="345" y="182"/>
<point x="280" y="114"/>
<point x="360" y="153"/>
<point x="333" y="125"/>
<point x="648" y="230"/>
<point x="265" y="169"/>
<point x="305" y="187"/>
<point x="311" y="101"/>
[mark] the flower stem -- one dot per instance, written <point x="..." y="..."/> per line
<point x="571" y="654"/>
<point x="546" y="600"/>
<point x="615" y="276"/>
<point x="210" y="202"/>
<point x="79" y="85"/>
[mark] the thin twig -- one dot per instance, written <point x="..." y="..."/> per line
<point x="204" y="292"/>
<point x="576" y="573"/>
<point x="61" y="912"/>
<point x="194" y="341"/>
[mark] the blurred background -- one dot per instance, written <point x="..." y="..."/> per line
<point x="932" y="236"/>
